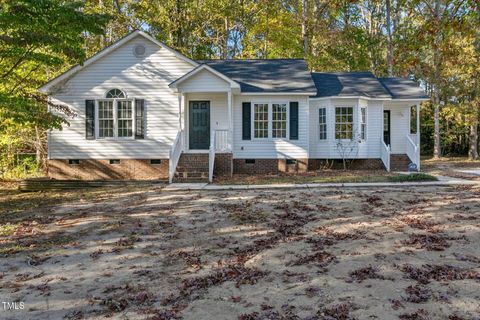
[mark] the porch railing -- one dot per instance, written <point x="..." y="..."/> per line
<point x="175" y="152"/>
<point x="219" y="142"/>
<point x="413" y="151"/>
<point x="385" y="154"/>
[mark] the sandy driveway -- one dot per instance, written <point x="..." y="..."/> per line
<point x="389" y="253"/>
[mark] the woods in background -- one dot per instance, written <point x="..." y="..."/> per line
<point x="435" y="42"/>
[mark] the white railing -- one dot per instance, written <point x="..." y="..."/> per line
<point x="413" y="151"/>
<point x="175" y="152"/>
<point x="385" y="154"/>
<point x="219" y="142"/>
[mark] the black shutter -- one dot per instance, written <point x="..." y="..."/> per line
<point x="246" y="121"/>
<point x="139" y="118"/>
<point x="89" y="119"/>
<point x="293" y="120"/>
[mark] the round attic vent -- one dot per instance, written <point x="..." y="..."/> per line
<point x="139" y="50"/>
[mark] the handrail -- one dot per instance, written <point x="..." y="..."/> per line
<point x="219" y="142"/>
<point x="385" y="154"/>
<point x="211" y="156"/>
<point x="174" y="156"/>
<point x="413" y="151"/>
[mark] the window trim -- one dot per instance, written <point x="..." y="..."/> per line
<point x="270" y="104"/>
<point x="326" y="124"/>
<point x="115" y="119"/>
<point x="335" y="122"/>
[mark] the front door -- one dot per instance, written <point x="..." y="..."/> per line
<point x="386" y="127"/>
<point x="199" y="128"/>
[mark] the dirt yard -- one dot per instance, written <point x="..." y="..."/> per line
<point x="387" y="253"/>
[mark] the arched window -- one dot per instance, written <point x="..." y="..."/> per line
<point x="115" y="94"/>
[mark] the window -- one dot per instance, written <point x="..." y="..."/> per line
<point x="124" y="115"/>
<point x="73" y="161"/>
<point x="115" y="115"/>
<point x="322" y="120"/>
<point x="114" y="161"/>
<point x="279" y="120"/>
<point x="105" y="119"/>
<point x="155" y="161"/>
<point x="363" y="123"/>
<point x="115" y="94"/>
<point x="260" y="120"/>
<point x="344" y="123"/>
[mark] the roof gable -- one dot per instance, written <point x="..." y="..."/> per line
<point x="197" y="71"/>
<point x="72" y="71"/>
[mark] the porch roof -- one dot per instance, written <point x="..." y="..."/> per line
<point x="401" y="88"/>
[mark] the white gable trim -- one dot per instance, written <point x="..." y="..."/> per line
<point x="68" y="74"/>
<point x="233" y="84"/>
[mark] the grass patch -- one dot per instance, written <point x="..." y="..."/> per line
<point x="7" y="230"/>
<point x="328" y="177"/>
<point x="413" y="177"/>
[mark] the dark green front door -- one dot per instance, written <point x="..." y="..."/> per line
<point x="199" y="128"/>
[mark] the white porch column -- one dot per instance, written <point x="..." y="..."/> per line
<point x="180" y="103"/>
<point x="230" y="120"/>
<point x="418" y="134"/>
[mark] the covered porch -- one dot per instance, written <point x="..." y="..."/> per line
<point x="205" y="122"/>
<point x="401" y="134"/>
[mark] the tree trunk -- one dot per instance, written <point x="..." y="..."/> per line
<point x="436" y="82"/>
<point x="304" y="27"/>
<point x="473" y="141"/>
<point x="38" y="148"/>
<point x="389" y="39"/>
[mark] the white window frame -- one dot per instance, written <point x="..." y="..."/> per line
<point x="287" y="107"/>
<point x="326" y="124"/>
<point x="269" y="103"/>
<point x="115" y="117"/>
<point x="335" y="122"/>
<point x="362" y="123"/>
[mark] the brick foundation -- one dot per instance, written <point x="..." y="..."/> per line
<point x="355" y="164"/>
<point x="223" y="165"/>
<point x="399" y="162"/>
<point x="269" y="166"/>
<point x="101" y="169"/>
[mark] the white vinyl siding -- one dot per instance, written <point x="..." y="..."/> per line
<point x="272" y="148"/>
<point x="143" y="78"/>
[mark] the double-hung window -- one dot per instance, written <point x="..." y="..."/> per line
<point x="279" y="120"/>
<point x="115" y="115"/>
<point x="105" y="119"/>
<point x="344" y="123"/>
<point x="363" y="123"/>
<point x="322" y="123"/>
<point x="270" y="120"/>
<point x="260" y="120"/>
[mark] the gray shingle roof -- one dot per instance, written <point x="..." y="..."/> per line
<point x="348" y="84"/>
<point x="401" y="88"/>
<point x="268" y="75"/>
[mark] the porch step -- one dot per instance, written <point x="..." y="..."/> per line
<point x="399" y="162"/>
<point x="192" y="167"/>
